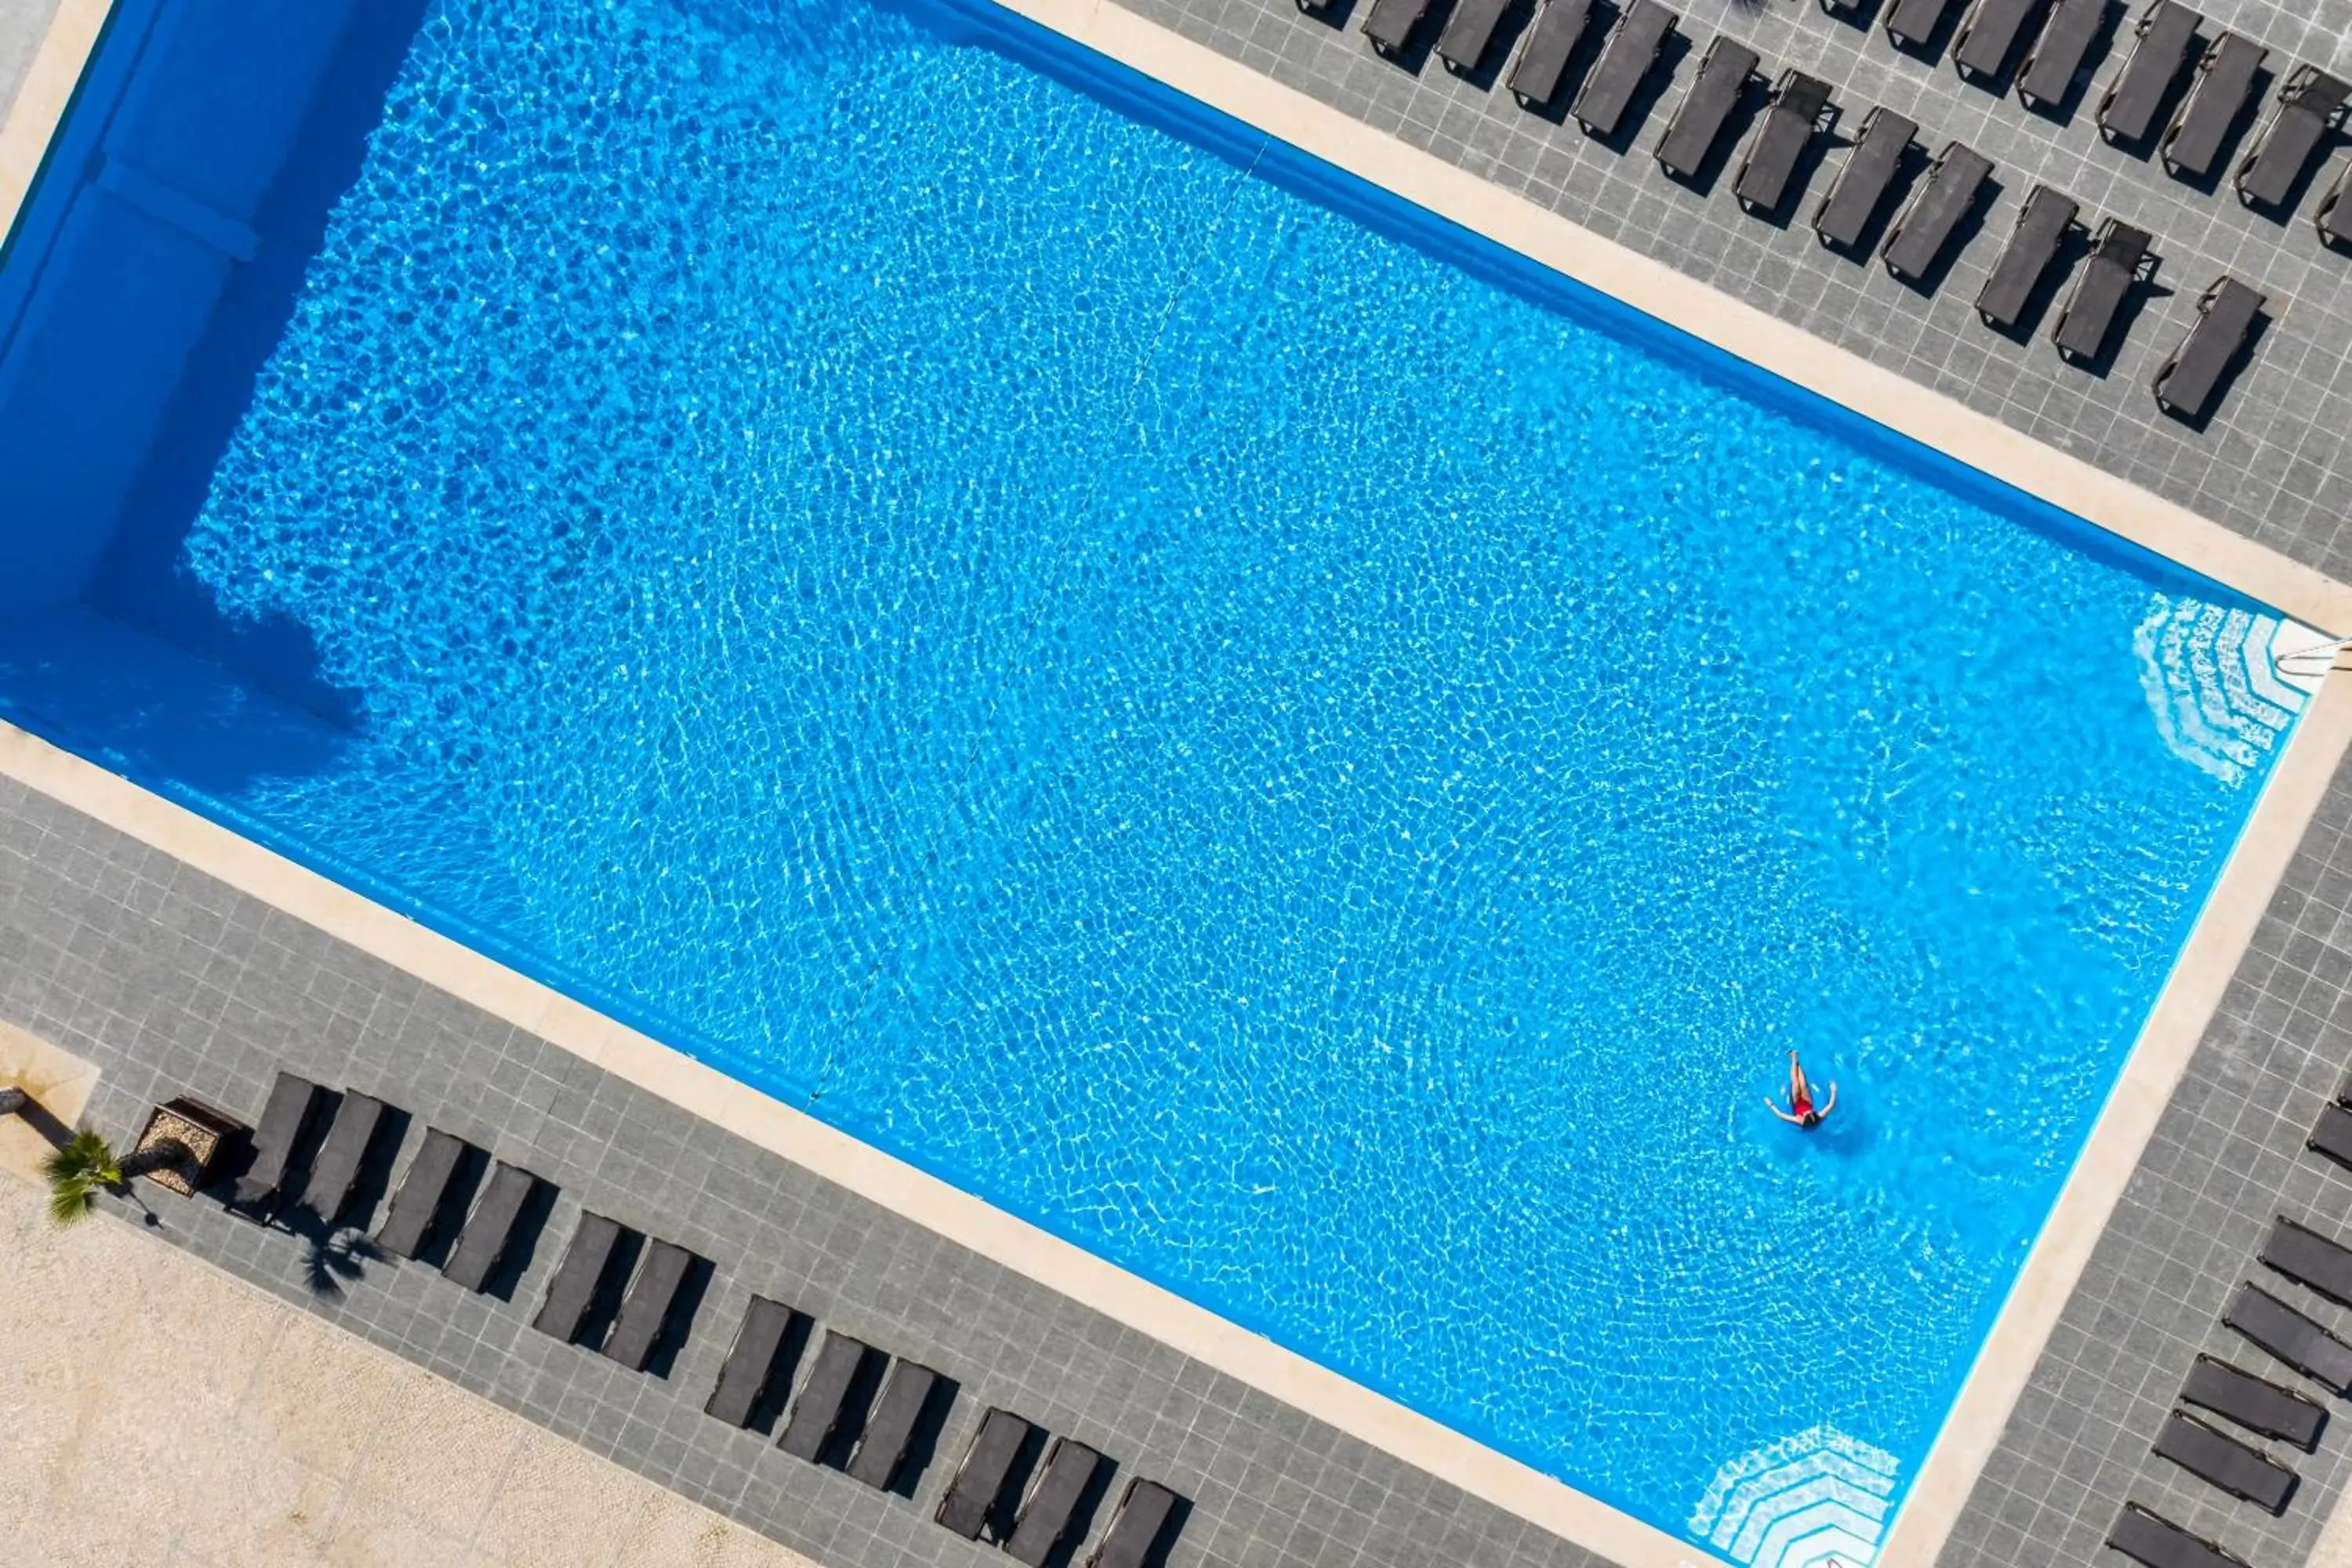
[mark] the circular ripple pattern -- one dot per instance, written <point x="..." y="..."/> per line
<point x="1220" y="731"/>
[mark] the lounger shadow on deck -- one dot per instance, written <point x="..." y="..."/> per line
<point x="2257" y="1404"/>
<point x="1876" y="175"/>
<point x="1990" y="37"/>
<point x="1055" y="1515"/>
<point x="2222" y="1462"/>
<point x="2273" y="176"/>
<point x="1712" y="116"/>
<point x="2154" y="1540"/>
<point x="1476" y="40"/>
<point x="432" y="1198"/>
<point x="1946" y="211"/>
<point x="2222" y="97"/>
<point x="2058" y="68"/>
<point x="2195" y="380"/>
<point x="288" y="1131"/>
<point x="2139" y="101"/>
<point x="902" y="1432"/>
<point x="1636" y="66"/>
<point x="2291" y="1337"/>
<point x="1852" y="13"/>
<point x="756" y="1381"/>
<point x="1144" y="1530"/>
<point x="978" y="1500"/>
<point x="2109" y="291"/>
<point x="659" y="1313"/>
<point x="1333" y="14"/>
<point x="830" y="1413"/>
<point x="2044" y="245"/>
<point x="1921" y="27"/>
<point x="499" y="1239"/>
<point x="1788" y="146"/>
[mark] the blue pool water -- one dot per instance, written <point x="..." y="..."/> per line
<point x="1230" y="721"/>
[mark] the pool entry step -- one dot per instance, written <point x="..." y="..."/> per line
<point x="1817" y="1499"/>
<point x="2215" y="682"/>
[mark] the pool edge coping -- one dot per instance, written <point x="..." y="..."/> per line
<point x="2143" y="1087"/>
<point x="42" y="98"/>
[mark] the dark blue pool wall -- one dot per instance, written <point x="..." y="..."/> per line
<point x="144" y="283"/>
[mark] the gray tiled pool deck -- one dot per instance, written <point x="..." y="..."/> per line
<point x="2275" y="464"/>
<point x="176" y="985"/>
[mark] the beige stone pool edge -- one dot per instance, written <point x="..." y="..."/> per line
<point x="2150" y="1077"/>
<point x="42" y="97"/>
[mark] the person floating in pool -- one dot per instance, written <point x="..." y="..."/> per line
<point x="1802" y="1112"/>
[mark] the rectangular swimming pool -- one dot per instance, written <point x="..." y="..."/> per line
<point x="1197" y="702"/>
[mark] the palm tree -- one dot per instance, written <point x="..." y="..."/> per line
<point x="87" y="1163"/>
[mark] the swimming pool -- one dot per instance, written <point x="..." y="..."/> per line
<point x="1219" y="714"/>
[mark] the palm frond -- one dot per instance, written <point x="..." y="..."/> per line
<point x="76" y="1173"/>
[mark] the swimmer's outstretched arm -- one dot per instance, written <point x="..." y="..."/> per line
<point x="1784" y="1116"/>
<point x="1831" y="1103"/>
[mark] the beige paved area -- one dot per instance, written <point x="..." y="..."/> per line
<point x="154" y="1410"/>
<point x="22" y="24"/>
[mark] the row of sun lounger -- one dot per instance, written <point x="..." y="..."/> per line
<point x="2215" y="1453"/>
<point x="628" y="1296"/>
<point x="848" y="1411"/>
<point x="1800" y="107"/>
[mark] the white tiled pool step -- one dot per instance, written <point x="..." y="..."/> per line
<point x="1817" y="1499"/>
<point x="2215" y="684"/>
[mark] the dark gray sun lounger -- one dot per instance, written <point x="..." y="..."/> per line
<point x="2225" y="80"/>
<point x="817" y="1413"/>
<point x="645" y="1320"/>
<point x="2186" y="383"/>
<point x="2332" y="1134"/>
<point x="1799" y="103"/>
<point x="1143" y="1513"/>
<point x="424" y="1194"/>
<point x="1468" y="32"/>
<point x="580" y="1278"/>
<point x="1046" y="1515"/>
<point x="2307" y="1257"/>
<point x="1699" y="119"/>
<point x="2156" y="1541"/>
<point x="291" y="1100"/>
<point x="1390" y="24"/>
<point x="2334" y="222"/>
<point x="1986" y="40"/>
<point x="2291" y="1337"/>
<point x="1633" y="49"/>
<point x="1862" y="184"/>
<point x="2216" y="1458"/>
<point x="891" y="1428"/>
<point x="484" y="1240"/>
<point x="2057" y="56"/>
<point x="2118" y="258"/>
<point x="336" y="1169"/>
<point x="2256" y="1402"/>
<point x="2309" y="107"/>
<point x="751" y="1363"/>
<point x="2041" y="227"/>
<point x="986" y="1465"/>
<point x="1926" y="226"/>
<point x="1910" y="23"/>
<point x="2165" y="34"/>
<point x="1543" y="60"/>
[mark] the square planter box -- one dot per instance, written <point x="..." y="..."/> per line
<point x="206" y="1132"/>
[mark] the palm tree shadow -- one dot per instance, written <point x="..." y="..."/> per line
<point x="331" y="1259"/>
